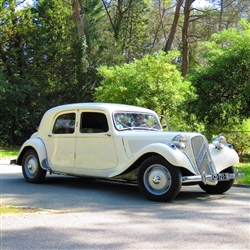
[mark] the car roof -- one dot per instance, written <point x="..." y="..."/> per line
<point x="109" y="107"/>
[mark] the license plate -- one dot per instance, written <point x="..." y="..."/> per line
<point x="221" y="177"/>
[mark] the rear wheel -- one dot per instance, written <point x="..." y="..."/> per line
<point x="158" y="180"/>
<point x="221" y="186"/>
<point x="31" y="168"/>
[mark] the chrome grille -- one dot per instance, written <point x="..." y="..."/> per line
<point x="202" y="155"/>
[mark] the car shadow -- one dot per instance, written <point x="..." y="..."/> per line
<point x="125" y="189"/>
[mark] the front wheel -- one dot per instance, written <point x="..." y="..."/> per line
<point x="31" y="168"/>
<point x="221" y="186"/>
<point x="158" y="180"/>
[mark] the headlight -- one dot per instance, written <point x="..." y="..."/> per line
<point x="180" y="141"/>
<point x="220" y="142"/>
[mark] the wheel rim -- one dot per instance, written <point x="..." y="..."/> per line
<point x="31" y="166"/>
<point x="157" y="179"/>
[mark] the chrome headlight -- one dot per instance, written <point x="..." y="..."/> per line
<point x="180" y="141"/>
<point x="220" y="142"/>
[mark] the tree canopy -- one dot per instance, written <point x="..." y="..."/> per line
<point x="153" y="82"/>
<point x="222" y="82"/>
<point x="55" y="52"/>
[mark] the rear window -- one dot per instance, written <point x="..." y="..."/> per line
<point x="64" y="124"/>
<point x="93" y="122"/>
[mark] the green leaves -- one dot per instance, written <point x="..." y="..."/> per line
<point x="224" y="84"/>
<point x="153" y="82"/>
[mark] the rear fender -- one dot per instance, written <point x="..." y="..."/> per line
<point x="38" y="145"/>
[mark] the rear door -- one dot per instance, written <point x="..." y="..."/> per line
<point x="60" y="142"/>
<point x="95" y="148"/>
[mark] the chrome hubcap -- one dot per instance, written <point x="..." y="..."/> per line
<point x="31" y="166"/>
<point x="157" y="179"/>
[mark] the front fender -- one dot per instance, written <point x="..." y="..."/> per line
<point x="173" y="155"/>
<point x="38" y="145"/>
<point x="223" y="158"/>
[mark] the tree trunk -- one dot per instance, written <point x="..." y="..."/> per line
<point x="79" y="14"/>
<point x="221" y="14"/>
<point x="174" y="26"/>
<point x="120" y="9"/>
<point x="185" y="62"/>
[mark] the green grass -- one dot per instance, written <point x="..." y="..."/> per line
<point x="12" y="210"/>
<point x="6" y="153"/>
<point x="243" y="168"/>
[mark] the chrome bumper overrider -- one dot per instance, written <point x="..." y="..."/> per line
<point x="212" y="179"/>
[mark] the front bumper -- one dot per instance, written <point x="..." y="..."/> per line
<point x="212" y="179"/>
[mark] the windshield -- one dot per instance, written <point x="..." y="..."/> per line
<point x="131" y="120"/>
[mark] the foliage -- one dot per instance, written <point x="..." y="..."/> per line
<point x="39" y="63"/>
<point x="153" y="82"/>
<point x="222" y="83"/>
<point x="127" y="23"/>
<point x="44" y="62"/>
<point x="239" y="137"/>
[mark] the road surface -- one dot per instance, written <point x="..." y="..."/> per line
<point x="87" y="214"/>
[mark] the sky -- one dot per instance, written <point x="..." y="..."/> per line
<point x="197" y="2"/>
<point x="200" y="3"/>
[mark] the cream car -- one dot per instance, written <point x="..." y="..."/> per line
<point x="126" y="143"/>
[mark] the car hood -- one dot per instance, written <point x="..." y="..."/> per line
<point x="137" y="140"/>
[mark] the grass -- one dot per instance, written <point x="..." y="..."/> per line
<point x="243" y="168"/>
<point x="6" y="153"/>
<point x="12" y="210"/>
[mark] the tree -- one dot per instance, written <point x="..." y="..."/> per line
<point x="153" y="82"/>
<point x="222" y="83"/>
<point x="80" y="16"/>
<point x="174" y="26"/>
<point x="128" y="21"/>
<point x="230" y="12"/>
<point x="185" y="42"/>
<point x="17" y="93"/>
<point x="39" y="63"/>
<point x="116" y="11"/>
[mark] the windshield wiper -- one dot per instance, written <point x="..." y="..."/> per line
<point x="124" y="126"/>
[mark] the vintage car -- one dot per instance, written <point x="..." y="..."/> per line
<point x="126" y="143"/>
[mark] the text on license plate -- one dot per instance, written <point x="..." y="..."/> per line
<point x="221" y="177"/>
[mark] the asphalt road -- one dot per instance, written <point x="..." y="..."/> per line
<point x="88" y="214"/>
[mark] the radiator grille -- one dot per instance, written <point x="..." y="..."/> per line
<point x="201" y="154"/>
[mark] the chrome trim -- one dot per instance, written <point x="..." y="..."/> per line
<point x="209" y="179"/>
<point x="203" y="159"/>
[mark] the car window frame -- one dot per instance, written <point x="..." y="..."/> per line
<point x="70" y="132"/>
<point x="94" y="129"/>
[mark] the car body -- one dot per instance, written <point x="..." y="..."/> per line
<point x="125" y="143"/>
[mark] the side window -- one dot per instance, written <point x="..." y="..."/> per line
<point x="64" y="124"/>
<point x="93" y="123"/>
